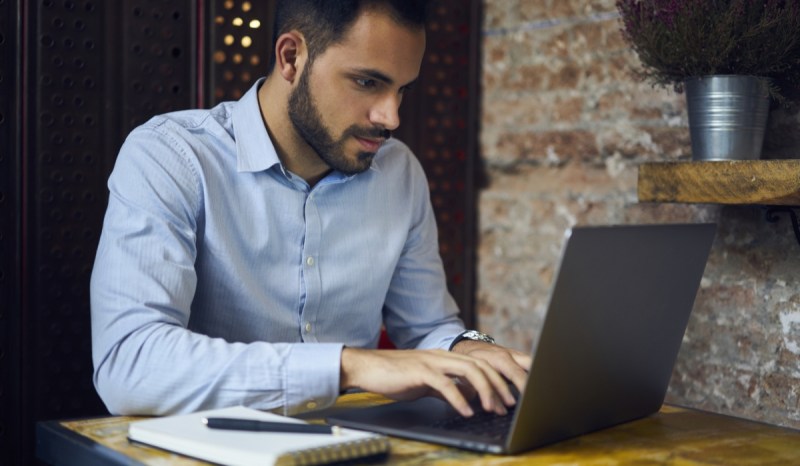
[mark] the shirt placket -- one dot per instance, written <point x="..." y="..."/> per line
<point x="311" y="269"/>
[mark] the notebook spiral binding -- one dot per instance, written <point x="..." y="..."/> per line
<point x="334" y="453"/>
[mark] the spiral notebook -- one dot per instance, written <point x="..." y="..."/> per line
<point x="188" y="435"/>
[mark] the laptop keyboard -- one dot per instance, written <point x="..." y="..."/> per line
<point x="483" y="423"/>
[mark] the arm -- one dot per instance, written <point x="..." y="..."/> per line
<point x="147" y="360"/>
<point x="419" y="311"/>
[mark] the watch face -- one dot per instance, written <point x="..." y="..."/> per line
<point x="477" y="336"/>
<point x="473" y="335"/>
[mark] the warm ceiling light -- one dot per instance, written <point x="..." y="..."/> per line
<point x="237" y="21"/>
<point x="247" y="41"/>
<point x="255" y="24"/>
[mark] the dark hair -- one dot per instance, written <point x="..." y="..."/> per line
<point x="325" y="22"/>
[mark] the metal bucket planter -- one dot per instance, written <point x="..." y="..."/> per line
<point x="727" y="116"/>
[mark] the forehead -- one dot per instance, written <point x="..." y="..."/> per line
<point x="376" y="41"/>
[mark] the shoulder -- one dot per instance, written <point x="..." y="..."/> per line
<point x="169" y="149"/>
<point x="188" y="124"/>
<point x="396" y="158"/>
<point x="188" y="135"/>
<point x="399" y="175"/>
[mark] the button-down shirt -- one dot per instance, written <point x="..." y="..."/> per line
<point x="223" y="279"/>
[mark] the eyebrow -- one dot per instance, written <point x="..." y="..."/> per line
<point x="378" y="76"/>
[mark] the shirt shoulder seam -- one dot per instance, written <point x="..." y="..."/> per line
<point x="159" y="125"/>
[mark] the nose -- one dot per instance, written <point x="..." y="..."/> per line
<point x="385" y="113"/>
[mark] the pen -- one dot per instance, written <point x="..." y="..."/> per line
<point x="255" y="425"/>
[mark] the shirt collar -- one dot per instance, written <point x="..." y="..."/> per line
<point x="254" y="149"/>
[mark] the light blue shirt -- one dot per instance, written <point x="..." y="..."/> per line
<point x="222" y="279"/>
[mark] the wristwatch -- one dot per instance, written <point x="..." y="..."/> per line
<point x="473" y="335"/>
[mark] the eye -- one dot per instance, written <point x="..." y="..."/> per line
<point x="365" y="82"/>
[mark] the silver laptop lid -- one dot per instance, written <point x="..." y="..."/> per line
<point x="618" y="311"/>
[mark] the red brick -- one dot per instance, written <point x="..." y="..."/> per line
<point x="565" y="145"/>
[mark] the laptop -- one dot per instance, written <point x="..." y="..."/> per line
<point x="617" y="314"/>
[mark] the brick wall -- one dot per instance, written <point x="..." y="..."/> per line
<point x="564" y="126"/>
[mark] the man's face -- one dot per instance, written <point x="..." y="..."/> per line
<point x="347" y="102"/>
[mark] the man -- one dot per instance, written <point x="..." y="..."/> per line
<point x="251" y="252"/>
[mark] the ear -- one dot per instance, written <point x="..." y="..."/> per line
<point x="290" y="50"/>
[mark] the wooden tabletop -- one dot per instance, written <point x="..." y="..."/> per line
<point x="673" y="436"/>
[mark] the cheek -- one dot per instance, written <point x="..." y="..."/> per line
<point x="341" y="113"/>
<point x="339" y="106"/>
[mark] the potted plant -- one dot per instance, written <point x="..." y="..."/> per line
<point x="730" y="56"/>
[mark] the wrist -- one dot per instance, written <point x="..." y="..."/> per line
<point x="467" y="346"/>
<point x="347" y="368"/>
<point x="471" y="335"/>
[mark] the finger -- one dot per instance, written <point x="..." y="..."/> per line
<point x="450" y="392"/>
<point x="502" y="392"/>
<point x="499" y="367"/>
<point x="512" y="371"/>
<point x="490" y="386"/>
<point x="512" y="364"/>
<point x="466" y="389"/>
<point x="523" y="360"/>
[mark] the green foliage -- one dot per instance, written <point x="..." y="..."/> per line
<point x="678" y="39"/>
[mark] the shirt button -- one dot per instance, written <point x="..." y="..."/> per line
<point x="308" y="327"/>
<point x="310" y="261"/>
<point x="311" y="404"/>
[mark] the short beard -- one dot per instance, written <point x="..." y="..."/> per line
<point x="307" y="121"/>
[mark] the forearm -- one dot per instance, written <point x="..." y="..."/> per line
<point x="160" y="370"/>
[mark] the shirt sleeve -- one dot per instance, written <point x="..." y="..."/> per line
<point x="419" y="311"/>
<point x="146" y="359"/>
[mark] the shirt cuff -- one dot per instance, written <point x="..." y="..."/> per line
<point x="312" y="377"/>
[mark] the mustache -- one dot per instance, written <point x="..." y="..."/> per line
<point x="369" y="133"/>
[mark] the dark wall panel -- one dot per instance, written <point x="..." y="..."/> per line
<point x="65" y="128"/>
<point x="94" y="69"/>
<point x="10" y="410"/>
<point x="158" y="59"/>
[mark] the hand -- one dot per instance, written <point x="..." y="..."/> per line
<point x="411" y="374"/>
<point x="512" y="364"/>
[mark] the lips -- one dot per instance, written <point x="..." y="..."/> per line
<point x="370" y="145"/>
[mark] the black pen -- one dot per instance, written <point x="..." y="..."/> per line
<point x="255" y="425"/>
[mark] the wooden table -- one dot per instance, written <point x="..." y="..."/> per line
<point x="673" y="436"/>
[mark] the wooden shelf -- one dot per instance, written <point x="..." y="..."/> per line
<point x="764" y="182"/>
